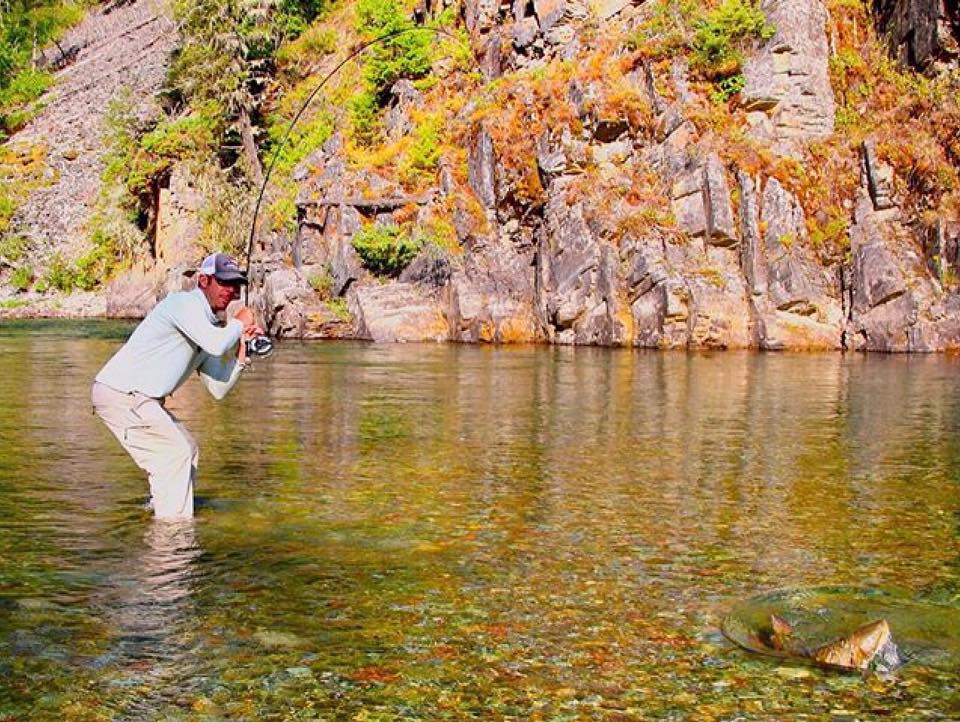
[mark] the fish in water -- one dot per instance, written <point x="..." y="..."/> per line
<point x="870" y="647"/>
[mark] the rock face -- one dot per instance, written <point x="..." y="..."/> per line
<point x="924" y="33"/>
<point x="788" y="79"/>
<point x="119" y="53"/>
<point x="178" y="221"/>
<point x="736" y="267"/>
<point x="619" y="223"/>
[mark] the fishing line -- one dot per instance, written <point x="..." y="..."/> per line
<point x="300" y="112"/>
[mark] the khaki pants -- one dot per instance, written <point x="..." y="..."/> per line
<point x="158" y="443"/>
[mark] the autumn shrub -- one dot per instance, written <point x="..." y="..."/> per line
<point x="23" y="168"/>
<point x="385" y="249"/>
<point x="914" y="119"/>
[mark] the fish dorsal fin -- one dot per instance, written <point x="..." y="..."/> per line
<point x="856" y="650"/>
<point x="871" y="637"/>
<point x="781" y="627"/>
<point x="782" y="637"/>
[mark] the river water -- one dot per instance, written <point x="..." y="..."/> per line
<point x="442" y="532"/>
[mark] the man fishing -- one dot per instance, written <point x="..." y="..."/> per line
<point x="179" y="336"/>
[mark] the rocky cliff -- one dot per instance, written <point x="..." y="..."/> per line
<point x="600" y="187"/>
<point x="118" y="54"/>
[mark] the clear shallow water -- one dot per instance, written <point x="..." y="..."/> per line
<point x="458" y="532"/>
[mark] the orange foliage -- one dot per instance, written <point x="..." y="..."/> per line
<point x="373" y="675"/>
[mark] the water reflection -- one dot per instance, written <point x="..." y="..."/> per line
<point x="149" y="600"/>
<point x="148" y="606"/>
<point x="448" y="532"/>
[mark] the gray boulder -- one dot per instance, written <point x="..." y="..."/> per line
<point x="397" y="312"/>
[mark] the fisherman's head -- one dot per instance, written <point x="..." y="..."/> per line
<point x="220" y="279"/>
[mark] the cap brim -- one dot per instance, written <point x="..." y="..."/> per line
<point x="231" y="277"/>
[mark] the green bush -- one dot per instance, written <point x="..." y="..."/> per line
<point x="227" y="57"/>
<point x="385" y="249"/>
<point x="181" y="137"/>
<point x="25" y="87"/>
<point x="309" y="134"/>
<point x="21" y="278"/>
<point x="59" y="275"/>
<point x="365" y="116"/>
<point x="339" y="308"/>
<point x="322" y="283"/>
<point x="116" y="241"/>
<point x="403" y="56"/>
<point x="8" y="206"/>
<point x="12" y="247"/>
<point x="188" y="138"/>
<point x="720" y="37"/>
<point x="94" y="267"/>
<point x="25" y="26"/>
<point x="725" y="89"/>
<point x="424" y="155"/>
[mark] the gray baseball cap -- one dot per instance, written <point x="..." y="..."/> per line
<point x="222" y="267"/>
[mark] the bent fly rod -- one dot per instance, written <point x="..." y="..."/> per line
<point x="263" y="345"/>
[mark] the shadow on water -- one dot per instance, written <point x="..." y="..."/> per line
<point x="451" y="532"/>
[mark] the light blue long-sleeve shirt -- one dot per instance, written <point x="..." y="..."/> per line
<point x="179" y="336"/>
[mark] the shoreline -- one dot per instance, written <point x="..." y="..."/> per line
<point x="8" y="321"/>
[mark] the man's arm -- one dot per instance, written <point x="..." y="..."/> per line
<point x="191" y="319"/>
<point x="219" y="374"/>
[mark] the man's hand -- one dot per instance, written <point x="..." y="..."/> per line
<point x="245" y="316"/>
<point x="250" y="330"/>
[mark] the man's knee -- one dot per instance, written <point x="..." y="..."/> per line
<point x="185" y="450"/>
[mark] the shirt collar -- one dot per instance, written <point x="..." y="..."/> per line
<point x="206" y="305"/>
